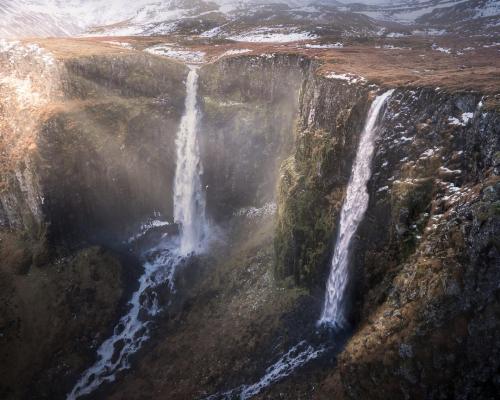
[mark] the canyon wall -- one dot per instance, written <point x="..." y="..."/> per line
<point x="90" y="151"/>
<point x="314" y="177"/>
<point x="426" y="257"/>
<point x="249" y="106"/>
<point x="100" y="154"/>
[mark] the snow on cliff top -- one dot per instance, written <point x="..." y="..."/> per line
<point x="269" y="35"/>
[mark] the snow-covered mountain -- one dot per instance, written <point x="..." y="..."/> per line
<point x="24" y="18"/>
<point x="410" y="11"/>
<point x="73" y="17"/>
<point x="469" y="17"/>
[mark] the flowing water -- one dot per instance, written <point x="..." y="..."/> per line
<point x="160" y="260"/>
<point x="297" y="356"/>
<point x="189" y="198"/>
<point x="333" y="314"/>
<point x="353" y="210"/>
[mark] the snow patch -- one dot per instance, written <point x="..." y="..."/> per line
<point x="441" y="49"/>
<point x="337" y="45"/>
<point x="125" y="45"/>
<point x="349" y="78"/>
<point x="273" y="35"/>
<point x="463" y="121"/>
<point x="234" y="52"/>
<point x="253" y="212"/>
<point x="186" y="55"/>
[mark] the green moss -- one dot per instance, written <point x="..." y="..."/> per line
<point x="495" y="208"/>
<point x="410" y="204"/>
<point x="496" y="158"/>
<point x="303" y="238"/>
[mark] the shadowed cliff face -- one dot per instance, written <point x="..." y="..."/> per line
<point x="96" y="155"/>
<point x="426" y="258"/>
<point x="108" y="156"/>
<point x="314" y="178"/>
<point x="249" y="107"/>
<point x="102" y="152"/>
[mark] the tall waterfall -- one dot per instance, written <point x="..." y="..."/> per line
<point x="353" y="210"/>
<point x="161" y="260"/>
<point x="354" y="207"/>
<point x="189" y="198"/>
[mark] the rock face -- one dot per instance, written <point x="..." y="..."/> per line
<point x="87" y="151"/>
<point x="426" y="258"/>
<point x="314" y="178"/>
<point x="120" y="161"/>
<point x="249" y="105"/>
<point x="96" y="154"/>
<point x="102" y="151"/>
<point x="429" y="286"/>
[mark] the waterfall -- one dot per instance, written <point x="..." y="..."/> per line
<point x="161" y="260"/>
<point x="353" y="210"/>
<point x="189" y="198"/>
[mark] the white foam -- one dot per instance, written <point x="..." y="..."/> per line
<point x="351" y="214"/>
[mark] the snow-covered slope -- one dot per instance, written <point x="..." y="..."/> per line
<point x="70" y="17"/>
<point x="411" y="11"/>
<point x="469" y="17"/>
<point x="153" y="17"/>
<point x="233" y="18"/>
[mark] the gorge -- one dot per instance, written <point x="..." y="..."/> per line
<point x="189" y="214"/>
<point x="194" y="217"/>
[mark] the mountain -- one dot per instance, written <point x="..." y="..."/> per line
<point x="470" y="17"/>
<point x="227" y="18"/>
<point x="459" y="16"/>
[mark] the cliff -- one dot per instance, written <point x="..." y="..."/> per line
<point x="426" y="255"/>
<point x="89" y="154"/>
<point x="249" y="106"/>
<point x="94" y="152"/>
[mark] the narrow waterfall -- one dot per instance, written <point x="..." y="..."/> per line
<point x="189" y="198"/>
<point x="161" y="260"/>
<point x="353" y="210"/>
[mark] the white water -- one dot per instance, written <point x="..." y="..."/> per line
<point x="353" y="210"/>
<point x="162" y="260"/>
<point x="189" y="198"/>
<point x="297" y="356"/>
<point x="354" y="207"/>
<point x="132" y="330"/>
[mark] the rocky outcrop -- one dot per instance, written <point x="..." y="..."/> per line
<point x="30" y="80"/>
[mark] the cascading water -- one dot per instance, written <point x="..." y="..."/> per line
<point x="189" y="198"/>
<point x="353" y="210"/>
<point x="333" y="315"/>
<point x="162" y="259"/>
